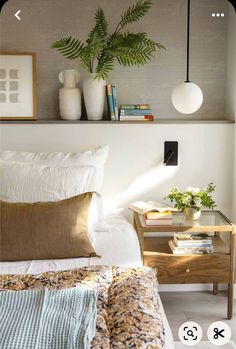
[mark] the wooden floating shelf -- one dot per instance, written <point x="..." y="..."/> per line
<point x="108" y="122"/>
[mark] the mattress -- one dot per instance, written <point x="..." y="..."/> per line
<point x="117" y="247"/>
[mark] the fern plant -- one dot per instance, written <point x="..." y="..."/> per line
<point x="100" y="51"/>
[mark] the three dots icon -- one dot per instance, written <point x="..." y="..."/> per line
<point x="217" y="14"/>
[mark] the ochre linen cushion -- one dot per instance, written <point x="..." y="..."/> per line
<point x="45" y="230"/>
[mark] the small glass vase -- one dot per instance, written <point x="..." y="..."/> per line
<point x="192" y="214"/>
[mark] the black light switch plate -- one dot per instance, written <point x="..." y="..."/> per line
<point x="170" y="153"/>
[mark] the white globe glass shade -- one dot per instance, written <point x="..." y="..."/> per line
<point x="187" y="98"/>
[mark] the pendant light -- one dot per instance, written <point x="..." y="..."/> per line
<point x="187" y="97"/>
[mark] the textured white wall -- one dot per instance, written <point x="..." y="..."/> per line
<point x="134" y="169"/>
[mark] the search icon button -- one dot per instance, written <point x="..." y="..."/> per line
<point x="190" y="333"/>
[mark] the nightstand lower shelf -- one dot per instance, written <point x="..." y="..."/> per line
<point x="187" y="269"/>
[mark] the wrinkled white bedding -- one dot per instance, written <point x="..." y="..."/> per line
<point x="118" y="247"/>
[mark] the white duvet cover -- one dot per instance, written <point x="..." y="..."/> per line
<point x="119" y="247"/>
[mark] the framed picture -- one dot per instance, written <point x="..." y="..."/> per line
<point x="17" y="86"/>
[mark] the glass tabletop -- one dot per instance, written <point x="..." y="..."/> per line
<point x="208" y="218"/>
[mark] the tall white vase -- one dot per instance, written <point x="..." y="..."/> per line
<point x="69" y="95"/>
<point x="94" y="97"/>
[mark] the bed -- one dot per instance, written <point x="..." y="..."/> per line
<point x="118" y="261"/>
<point x="127" y="256"/>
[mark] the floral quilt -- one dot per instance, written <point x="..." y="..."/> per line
<point x="128" y="310"/>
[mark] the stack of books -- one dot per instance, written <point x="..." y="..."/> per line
<point x="112" y="102"/>
<point x="155" y="218"/>
<point x="191" y="244"/>
<point x="136" y="112"/>
<point x="153" y="213"/>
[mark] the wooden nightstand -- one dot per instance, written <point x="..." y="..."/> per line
<point x="214" y="268"/>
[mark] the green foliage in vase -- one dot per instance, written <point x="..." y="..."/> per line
<point x="100" y="51"/>
<point x="192" y="198"/>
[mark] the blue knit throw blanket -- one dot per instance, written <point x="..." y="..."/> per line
<point x="43" y="319"/>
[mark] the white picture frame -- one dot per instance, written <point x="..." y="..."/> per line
<point x="17" y="86"/>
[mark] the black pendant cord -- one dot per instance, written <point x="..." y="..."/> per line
<point x="188" y="34"/>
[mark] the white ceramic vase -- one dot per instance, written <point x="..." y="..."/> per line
<point x="192" y="214"/>
<point x="69" y="95"/>
<point x="94" y="91"/>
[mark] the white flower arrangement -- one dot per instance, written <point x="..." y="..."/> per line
<point x="192" y="198"/>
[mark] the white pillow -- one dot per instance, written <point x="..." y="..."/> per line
<point x="92" y="157"/>
<point x="95" y="157"/>
<point x="28" y="182"/>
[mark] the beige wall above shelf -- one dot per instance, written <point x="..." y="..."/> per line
<point x="153" y="83"/>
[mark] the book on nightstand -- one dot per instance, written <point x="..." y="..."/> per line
<point x="154" y="223"/>
<point x="158" y="218"/>
<point x="143" y="207"/>
<point x="192" y="240"/>
<point x="153" y="213"/>
<point x="189" y="250"/>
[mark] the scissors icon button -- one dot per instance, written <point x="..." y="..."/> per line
<point x="219" y="333"/>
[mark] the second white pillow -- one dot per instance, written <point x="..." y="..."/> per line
<point x="27" y="182"/>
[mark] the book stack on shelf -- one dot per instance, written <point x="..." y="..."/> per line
<point x="112" y="102"/>
<point x="191" y="244"/>
<point x="155" y="218"/>
<point x="138" y="112"/>
<point x="153" y="213"/>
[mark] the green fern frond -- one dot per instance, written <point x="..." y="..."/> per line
<point x="133" y="49"/>
<point x="131" y="57"/>
<point x="142" y="39"/>
<point x="92" y="35"/>
<point x="90" y="52"/>
<point x="69" y="47"/>
<point x="102" y="48"/>
<point x="105" y="65"/>
<point x="101" y="23"/>
<point x="134" y="13"/>
<point x="94" y="48"/>
<point x="100" y="29"/>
